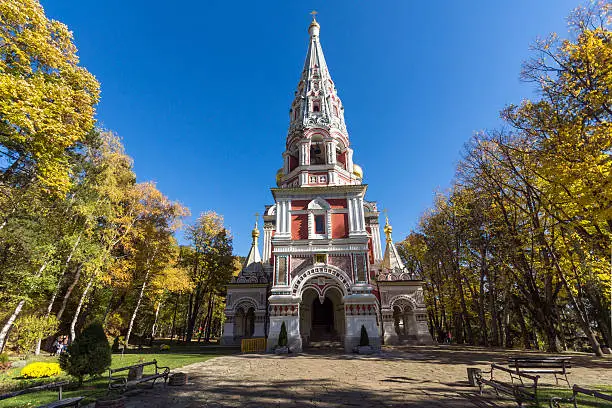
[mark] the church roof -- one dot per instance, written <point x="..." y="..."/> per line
<point x="392" y="266"/>
<point x="316" y="87"/>
<point x="391" y="259"/>
<point x="252" y="269"/>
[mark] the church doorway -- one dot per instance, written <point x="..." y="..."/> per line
<point x="244" y="323"/>
<point x="321" y="321"/>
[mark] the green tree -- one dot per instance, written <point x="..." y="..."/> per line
<point x="89" y="354"/>
<point x="211" y="264"/>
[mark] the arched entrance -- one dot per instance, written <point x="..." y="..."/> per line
<point x="244" y="322"/>
<point x="404" y="318"/>
<point x="321" y="320"/>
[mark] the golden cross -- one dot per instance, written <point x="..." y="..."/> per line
<point x="386" y="212"/>
<point x="314" y="13"/>
<point x="256" y="218"/>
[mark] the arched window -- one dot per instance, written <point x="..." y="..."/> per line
<point x="316" y="106"/>
<point x="319" y="219"/>
<point x="317" y="153"/>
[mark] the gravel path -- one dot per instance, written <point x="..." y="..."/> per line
<point x="404" y="376"/>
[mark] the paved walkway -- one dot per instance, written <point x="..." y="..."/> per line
<point x="406" y="377"/>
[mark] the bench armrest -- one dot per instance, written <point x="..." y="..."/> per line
<point x="113" y="381"/>
<point x="555" y="402"/>
<point x="166" y="369"/>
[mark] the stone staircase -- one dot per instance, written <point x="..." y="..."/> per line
<point x="323" y="339"/>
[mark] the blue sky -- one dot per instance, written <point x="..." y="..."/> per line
<point x="200" y="90"/>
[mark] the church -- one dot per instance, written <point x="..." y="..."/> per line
<point x="322" y="271"/>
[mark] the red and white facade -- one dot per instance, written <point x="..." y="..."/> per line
<point x="321" y="238"/>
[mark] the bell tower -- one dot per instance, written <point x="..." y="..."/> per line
<point x="322" y="257"/>
<point x="317" y="151"/>
<point x="321" y="237"/>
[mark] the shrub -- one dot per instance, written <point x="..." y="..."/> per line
<point x="364" y="340"/>
<point x="5" y="364"/>
<point x="30" y="328"/>
<point x="41" y="369"/>
<point x="164" y="347"/>
<point x="89" y="354"/>
<point x="282" y="337"/>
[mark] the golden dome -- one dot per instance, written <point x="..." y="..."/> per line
<point x="255" y="233"/>
<point x="279" y="175"/>
<point x="358" y="171"/>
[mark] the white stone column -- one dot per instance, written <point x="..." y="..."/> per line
<point x="267" y="244"/>
<point x="304" y="153"/>
<point x="349" y="160"/>
<point x="389" y="328"/>
<point x="351" y="215"/>
<point x="330" y="148"/>
<point x="376" y="245"/>
<point x="332" y="178"/>
<point x="227" y="338"/>
<point x="360" y="215"/>
<point x="283" y="219"/>
<point x="360" y="310"/>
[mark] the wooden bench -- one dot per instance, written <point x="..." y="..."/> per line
<point x="518" y="390"/>
<point x="61" y="402"/>
<point x="558" y="366"/>
<point x="557" y="401"/>
<point x="123" y="382"/>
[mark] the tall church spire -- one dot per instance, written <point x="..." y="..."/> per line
<point x="316" y="99"/>
<point x="317" y="150"/>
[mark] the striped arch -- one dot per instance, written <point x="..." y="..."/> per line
<point x="339" y="278"/>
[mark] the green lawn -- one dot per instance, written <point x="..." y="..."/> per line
<point x="584" y="401"/>
<point x="95" y="387"/>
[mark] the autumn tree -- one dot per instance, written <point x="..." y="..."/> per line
<point x="152" y="243"/>
<point x="211" y="265"/>
<point x="46" y="99"/>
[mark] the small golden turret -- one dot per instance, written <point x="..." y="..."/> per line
<point x="388" y="228"/>
<point x="255" y="232"/>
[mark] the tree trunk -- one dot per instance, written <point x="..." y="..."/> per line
<point x="129" y="332"/>
<point x="77" y="275"/>
<point x="178" y="296"/>
<point x="154" y="327"/>
<point x="209" y="313"/>
<point x="77" y="312"/>
<point x="193" y="312"/>
<point x="201" y="325"/>
<point x="7" y="327"/>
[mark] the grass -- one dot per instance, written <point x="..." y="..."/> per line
<point x="96" y="387"/>
<point x="584" y="401"/>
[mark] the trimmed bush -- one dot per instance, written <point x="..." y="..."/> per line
<point x="364" y="340"/>
<point x="40" y="370"/>
<point x="89" y="354"/>
<point x="282" y="337"/>
<point x="164" y="347"/>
